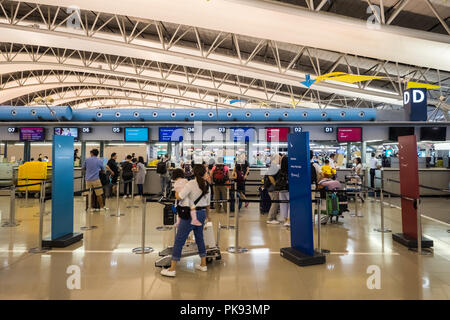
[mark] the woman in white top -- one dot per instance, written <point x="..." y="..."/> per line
<point x="358" y="166"/>
<point x="193" y="190"/>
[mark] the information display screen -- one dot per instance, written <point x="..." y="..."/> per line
<point x="242" y="134"/>
<point x="433" y="133"/>
<point x="277" y="134"/>
<point x="170" y="134"/>
<point x="349" y="134"/>
<point x="32" y="134"/>
<point x="69" y="132"/>
<point x="395" y="132"/>
<point x="136" y="134"/>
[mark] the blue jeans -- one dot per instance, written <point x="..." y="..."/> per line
<point x="140" y="189"/>
<point x="184" y="228"/>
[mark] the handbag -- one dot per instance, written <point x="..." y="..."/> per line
<point x="185" y="212"/>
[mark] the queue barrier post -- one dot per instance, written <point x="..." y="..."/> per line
<point x="419" y="249"/>
<point x="382" y="228"/>
<point x="132" y="195"/>
<point x="39" y="248"/>
<point x="88" y="225"/>
<point x="236" y="248"/>
<point x="143" y="249"/>
<point x="118" y="213"/>
<point x="12" y="209"/>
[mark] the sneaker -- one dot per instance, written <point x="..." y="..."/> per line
<point x="168" y="273"/>
<point x="125" y="196"/>
<point x="273" y="222"/>
<point x="201" y="268"/>
<point x="105" y="208"/>
<point x="96" y="209"/>
<point x="287" y="224"/>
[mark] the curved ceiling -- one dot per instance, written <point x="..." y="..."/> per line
<point x="196" y="54"/>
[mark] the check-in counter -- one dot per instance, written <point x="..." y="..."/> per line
<point x="433" y="177"/>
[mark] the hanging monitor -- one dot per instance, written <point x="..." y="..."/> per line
<point x="349" y="134"/>
<point x="395" y="132"/>
<point x="242" y="134"/>
<point x="136" y="135"/>
<point x="32" y="134"/>
<point x="433" y="133"/>
<point x="68" y="132"/>
<point x="170" y="134"/>
<point x="277" y="134"/>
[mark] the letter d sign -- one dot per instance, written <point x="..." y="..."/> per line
<point x="415" y="104"/>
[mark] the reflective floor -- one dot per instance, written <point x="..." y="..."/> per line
<point x="109" y="269"/>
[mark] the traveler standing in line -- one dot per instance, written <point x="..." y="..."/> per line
<point x="127" y="176"/>
<point x="333" y="164"/>
<point x="239" y="176"/>
<point x="220" y="178"/>
<point x="282" y="186"/>
<point x="198" y="196"/>
<point x="211" y="187"/>
<point x="373" y="164"/>
<point x="162" y="168"/>
<point x="246" y="170"/>
<point x="92" y="167"/>
<point x="315" y="169"/>
<point x="76" y="158"/>
<point x="113" y="170"/>
<point x="269" y="184"/>
<point x="140" y="175"/>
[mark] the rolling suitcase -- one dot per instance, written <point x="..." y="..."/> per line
<point x="266" y="202"/>
<point x="169" y="215"/>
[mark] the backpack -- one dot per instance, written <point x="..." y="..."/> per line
<point x="282" y="182"/>
<point x="161" y="167"/>
<point x="187" y="170"/>
<point x="313" y="174"/>
<point x="240" y="176"/>
<point x="219" y="176"/>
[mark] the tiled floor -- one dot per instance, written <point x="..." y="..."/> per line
<point x="109" y="270"/>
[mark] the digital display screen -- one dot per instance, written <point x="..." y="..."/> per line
<point x="433" y="133"/>
<point x="389" y="153"/>
<point x="32" y="134"/>
<point x="68" y="132"/>
<point x="242" y="134"/>
<point x="395" y="132"/>
<point x="228" y="159"/>
<point x="349" y="134"/>
<point x="277" y="134"/>
<point x="136" y="134"/>
<point x="170" y="134"/>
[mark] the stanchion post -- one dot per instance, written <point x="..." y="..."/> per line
<point x="319" y="249"/>
<point x="39" y="248"/>
<point x="419" y="227"/>
<point x="12" y="209"/>
<point x="132" y="195"/>
<point x="143" y="249"/>
<point x="118" y="214"/>
<point x="382" y="228"/>
<point x="236" y="248"/>
<point x="26" y="191"/>
<point x="88" y="213"/>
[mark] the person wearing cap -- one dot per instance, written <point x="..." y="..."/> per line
<point x="220" y="177"/>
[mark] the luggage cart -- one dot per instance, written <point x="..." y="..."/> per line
<point x="189" y="249"/>
<point x="353" y="188"/>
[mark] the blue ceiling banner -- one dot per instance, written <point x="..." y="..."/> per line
<point x="415" y="104"/>
<point x="62" y="234"/>
<point x="301" y="251"/>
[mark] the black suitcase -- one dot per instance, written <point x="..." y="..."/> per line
<point x="266" y="202"/>
<point x="94" y="201"/>
<point x="168" y="215"/>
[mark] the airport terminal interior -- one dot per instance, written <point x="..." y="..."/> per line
<point x="225" y="150"/>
